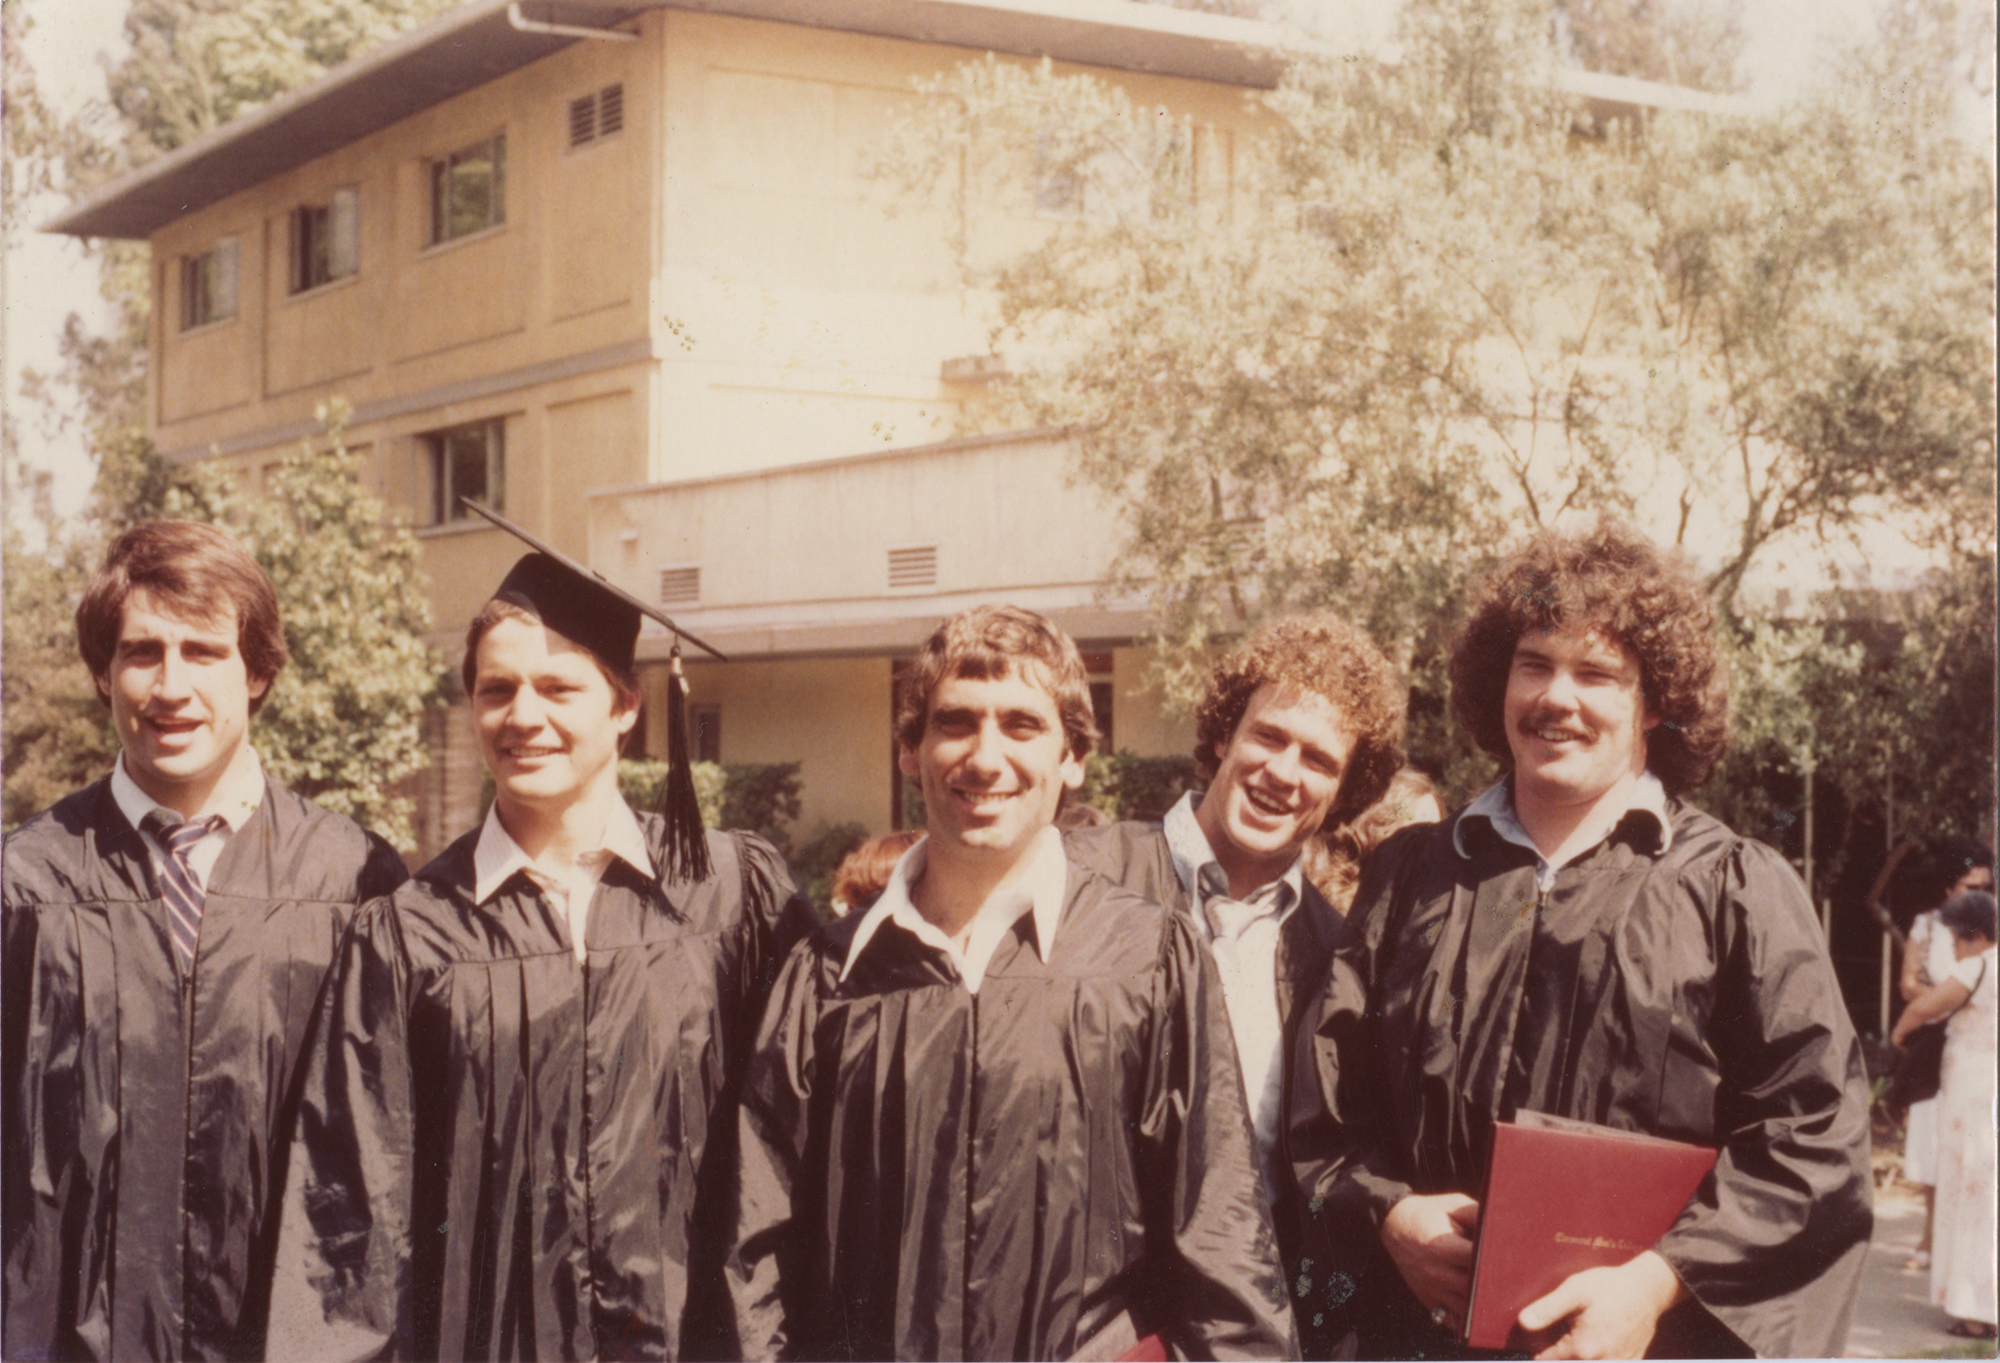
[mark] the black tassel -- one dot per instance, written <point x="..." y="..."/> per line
<point x="687" y="841"/>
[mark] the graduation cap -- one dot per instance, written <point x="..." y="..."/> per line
<point x="594" y="614"/>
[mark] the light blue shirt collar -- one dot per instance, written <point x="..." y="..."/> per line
<point x="1495" y="804"/>
<point x="1188" y="846"/>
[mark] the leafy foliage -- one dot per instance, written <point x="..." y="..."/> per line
<point x="1127" y="786"/>
<point x="1439" y="305"/>
<point x="751" y="797"/>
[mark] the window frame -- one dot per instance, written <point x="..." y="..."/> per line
<point x="438" y="223"/>
<point x="215" y="295"/>
<point x="319" y="225"/>
<point x="443" y="510"/>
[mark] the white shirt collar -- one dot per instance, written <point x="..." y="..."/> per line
<point x="1041" y="890"/>
<point x="1496" y="805"/>
<point x="497" y="856"/>
<point x="235" y="797"/>
<point x="1190" y="850"/>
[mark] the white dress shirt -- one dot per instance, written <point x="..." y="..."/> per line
<point x="1039" y="889"/>
<point x="235" y="797"/>
<point x="497" y="856"/>
<point x="1242" y="935"/>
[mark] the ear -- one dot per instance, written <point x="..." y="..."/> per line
<point x="1071" y="770"/>
<point x="906" y="760"/>
<point x="258" y="687"/>
<point x="625" y="719"/>
<point x="1651" y="720"/>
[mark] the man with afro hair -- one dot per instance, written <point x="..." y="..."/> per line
<point x="1579" y="941"/>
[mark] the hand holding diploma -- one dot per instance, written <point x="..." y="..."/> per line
<point x="1430" y="1239"/>
<point x="1605" y="1312"/>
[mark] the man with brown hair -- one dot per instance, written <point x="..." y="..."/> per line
<point x="1579" y="941"/>
<point x="1300" y="729"/>
<point x="167" y="933"/>
<point x="519" y="1134"/>
<point x="997" y="1115"/>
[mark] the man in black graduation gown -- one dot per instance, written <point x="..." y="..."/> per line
<point x="518" y="1135"/>
<point x="1300" y="727"/>
<point x="1579" y="941"/>
<point x="997" y="1115"/>
<point x="168" y="931"/>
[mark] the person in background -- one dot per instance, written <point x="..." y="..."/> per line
<point x="519" y="1133"/>
<point x="168" y="930"/>
<point x="864" y="872"/>
<point x="1962" y="1247"/>
<point x="1580" y="941"/>
<point x="1928" y="958"/>
<point x="1300" y="728"/>
<point x="1334" y="859"/>
<point x="997" y="1115"/>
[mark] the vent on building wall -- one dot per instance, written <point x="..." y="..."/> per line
<point x="914" y="566"/>
<point x="680" y="586"/>
<point x="596" y="115"/>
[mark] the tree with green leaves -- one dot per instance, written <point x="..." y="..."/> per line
<point x="1442" y="306"/>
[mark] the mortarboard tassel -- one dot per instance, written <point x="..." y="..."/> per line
<point x="687" y="841"/>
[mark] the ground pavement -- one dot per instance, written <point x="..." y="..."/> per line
<point x="1893" y="1317"/>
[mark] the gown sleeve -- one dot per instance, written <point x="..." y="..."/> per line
<point x="772" y="1124"/>
<point x="1772" y="1245"/>
<point x="351" y="1162"/>
<point x="1198" y="1164"/>
<point x="1343" y="1155"/>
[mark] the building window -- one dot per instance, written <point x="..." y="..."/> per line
<point x="208" y="285"/>
<point x="597" y="115"/>
<point x="326" y="240"/>
<point x="466" y="461"/>
<point x="1098" y="667"/>
<point x="469" y="190"/>
<point x="705" y="726"/>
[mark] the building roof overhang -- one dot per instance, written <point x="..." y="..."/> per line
<point x="480" y="41"/>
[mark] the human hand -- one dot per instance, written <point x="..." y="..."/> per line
<point x="1430" y="1239"/>
<point x="1606" y="1312"/>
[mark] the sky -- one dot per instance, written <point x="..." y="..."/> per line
<point x="47" y="277"/>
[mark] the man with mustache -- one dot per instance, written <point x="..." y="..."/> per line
<point x="1300" y="728"/>
<point x="996" y="1114"/>
<point x="168" y="930"/>
<point x="1580" y="941"/>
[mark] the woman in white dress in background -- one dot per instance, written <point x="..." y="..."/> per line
<point x="1962" y="1243"/>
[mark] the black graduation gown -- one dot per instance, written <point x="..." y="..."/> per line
<point x="927" y="1173"/>
<point x="1685" y="992"/>
<point x="147" y="1119"/>
<point x="1135" y="854"/>
<point x="512" y="1154"/>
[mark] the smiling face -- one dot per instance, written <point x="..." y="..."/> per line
<point x="549" y="723"/>
<point x="1576" y="718"/>
<point x="993" y="763"/>
<point x="1275" y="779"/>
<point x="180" y="699"/>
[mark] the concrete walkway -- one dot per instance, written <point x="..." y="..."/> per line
<point x="1893" y="1317"/>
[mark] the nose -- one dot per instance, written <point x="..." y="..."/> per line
<point x="174" y="681"/>
<point x="1560" y="690"/>
<point x="987" y="750"/>
<point x="524" y="709"/>
<point x="1284" y="765"/>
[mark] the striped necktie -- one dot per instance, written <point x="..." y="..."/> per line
<point x="179" y="885"/>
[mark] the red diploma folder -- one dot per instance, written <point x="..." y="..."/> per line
<point x="1562" y="1196"/>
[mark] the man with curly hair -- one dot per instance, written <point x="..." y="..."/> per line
<point x="1301" y="728"/>
<point x="1581" y="942"/>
